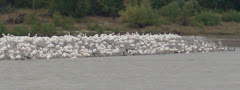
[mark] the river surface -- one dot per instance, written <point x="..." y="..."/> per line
<point x="196" y="71"/>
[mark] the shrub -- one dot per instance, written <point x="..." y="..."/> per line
<point x="116" y="30"/>
<point x="152" y="31"/>
<point x="161" y="20"/>
<point x="231" y="16"/>
<point x="131" y="2"/>
<point x="69" y="23"/>
<point x="40" y="3"/>
<point x="171" y="11"/>
<point x="57" y="19"/>
<point x="3" y="3"/>
<point x="156" y="4"/>
<point x="100" y="30"/>
<point x="93" y="27"/>
<point x="189" y="9"/>
<point x="31" y="19"/>
<point x="22" y="3"/>
<point x="64" y="7"/>
<point x="209" y="18"/>
<point x="20" y="30"/>
<point x="194" y="22"/>
<point x="64" y="22"/>
<point x="109" y="7"/>
<point x="43" y="29"/>
<point x="3" y="28"/>
<point x="139" y="15"/>
<point x="4" y="7"/>
<point x="90" y="33"/>
<point x="49" y="30"/>
<point x="37" y="27"/>
<point x="110" y="30"/>
<point x="83" y="7"/>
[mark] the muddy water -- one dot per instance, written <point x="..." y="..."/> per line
<point x="196" y="71"/>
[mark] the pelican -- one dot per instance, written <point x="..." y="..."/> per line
<point x="68" y="46"/>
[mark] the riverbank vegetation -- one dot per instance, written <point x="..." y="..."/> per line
<point x="58" y="17"/>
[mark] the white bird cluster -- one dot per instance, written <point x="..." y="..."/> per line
<point x="68" y="46"/>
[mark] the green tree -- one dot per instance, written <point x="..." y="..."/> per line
<point x="189" y="9"/>
<point x="82" y="8"/>
<point x="171" y="11"/>
<point x="209" y="18"/>
<point x="139" y="15"/>
<point x="65" y="7"/>
<point x="109" y="7"/>
<point x="22" y="3"/>
<point x="231" y="16"/>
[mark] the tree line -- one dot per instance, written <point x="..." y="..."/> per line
<point x="110" y="8"/>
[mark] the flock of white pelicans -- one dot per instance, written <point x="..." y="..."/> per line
<point x="68" y="46"/>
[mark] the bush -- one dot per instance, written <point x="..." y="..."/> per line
<point x="4" y="7"/>
<point x="69" y="23"/>
<point x="109" y="7"/>
<point x="189" y="9"/>
<point x="139" y="15"/>
<point x="90" y="33"/>
<point x="101" y="29"/>
<point x="152" y="31"/>
<point x="116" y="30"/>
<point x="37" y="28"/>
<point x="64" y="22"/>
<point x="209" y="18"/>
<point x="93" y="27"/>
<point x="31" y="19"/>
<point x="22" y="3"/>
<point x="3" y="28"/>
<point x="40" y="3"/>
<point x="49" y="30"/>
<point x="231" y="16"/>
<point x="83" y="7"/>
<point x="20" y="30"/>
<point x="156" y="4"/>
<point x="3" y="3"/>
<point x="111" y="30"/>
<point x="64" y="7"/>
<point x="43" y="29"/>
<point x="171" y="11"/>
<point x="194" y="22"/>
<point x="58" y="19"/>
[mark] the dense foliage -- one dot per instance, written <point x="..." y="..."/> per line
<point x="108" y="7"/>
<point x="43" y="29"/>
<point x="231" y="16"/>
<point x="209" y="18"/>
<point x="189" y="10"/>
<point x="20" y="30"/>
<point x="3" y="28"/>
<point x="171" y="11"/>
<point x="137" y="13"/>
